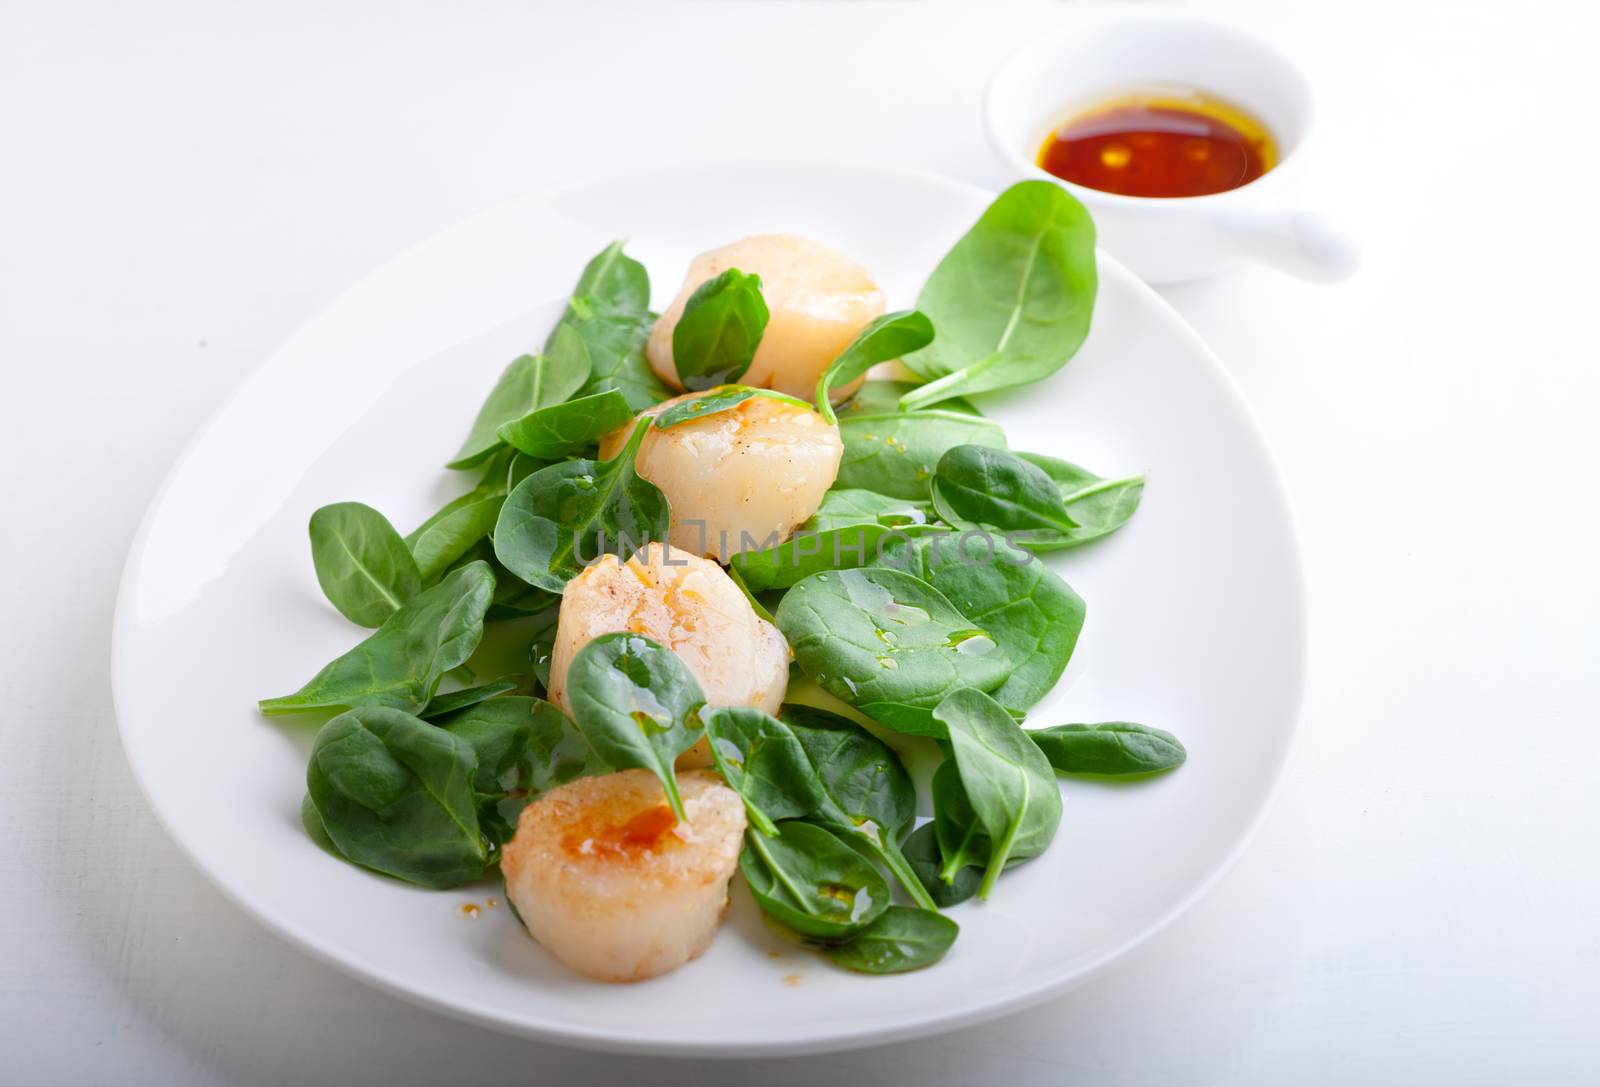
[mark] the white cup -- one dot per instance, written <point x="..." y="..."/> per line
<point x="1169" y="240"/>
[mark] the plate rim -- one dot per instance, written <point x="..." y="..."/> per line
<point x="832" y="1040"/>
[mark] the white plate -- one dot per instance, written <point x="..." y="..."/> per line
<point x="1195" y="621"/>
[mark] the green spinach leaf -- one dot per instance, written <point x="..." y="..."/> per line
<point x="922" y="853"/>
<point x="883" y="398"/>
<point x="616" y="344"/>
<point x="362" y="563"/>
<point x="441" y="705"/>
<point x="311" y="820"/>
<point x="888" y="643"/>
<point x="888" y="337"/>
<point x="845" y="506"/>
<point x="519" y="468"/>
<point x="441" y="540"/>
<point x="721" y="327"/>
<point x="963" y="845"/>
<point x="637" y="704"/>
<point x="514" y="598"/>
<point x="563" y="430"/>
<point x="1007" y="780"/>
<point x="1097" y="506"/>
<point x="1011" y="300"/>
<point x="1033" y="616"/>
<point x="868" y="799"/>
<point x="760" y="759"/>
<point x="808" y="553"/>
<point x="811" y="881"/>
<point x="394" y="794"/>
<point x="1117" y="747"/>
<point x="720" y="399"/>
<point x="529" y="383"/>
<point x="612" y="282"/>
<point x="400" y="664"/>
<point x="541" y="650"/>
<point x="896" y="453"/>
<point x="901" y="939"/>
<point x="977" y="485"/>
<point x="525" y="747"/>
<point x="610" y="311"/>
<point x="571" y="513"/>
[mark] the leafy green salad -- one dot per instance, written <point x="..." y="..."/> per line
<point x="898" y="560"/>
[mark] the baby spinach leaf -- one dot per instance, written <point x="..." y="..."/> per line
<point x="887" y="337"/>
<point x="612" y="282"/>
<point x="812" y="882"/>
<point x="963" y="844"/>
<point x="1007" y="780"/>
<point x="883" y="398"/>
<point x="901" y="939"/>
<point x="853" y="506"/>
<point x="750" y="597"/>
<point x="1116" y="747"/>
<point x="1033" y="616"/>
<point x="399" y="665"/>
<point x="864" y="786"/>
<point x="637" y="704"/>
<point x="761" y="760"/>
<point x="571" y="513"/>
<point x="395" y="795"/>
<point x="1097" y="506"/>
<point x="441" y="705"/>
<point x="513" y="597"/>
<point x="1011" y="300"/>
<point x="711" y="402"/>
<point x="530" y="382"/>
<point x="362" y="563"/>
<point x="525" y="747"/>
<point x="896" y="453"/>
<point x="563" y="430"/>
<point x="519" y="468"/>
<point x="888" y="643"/>
<point x="610" y="312"/>
<point x="720" y="399"/>
<point x="461" y="501"/>
<point x="441" y="540"/>
<point x="311" y="820"/>
<point x="540" y="651"/>
<point x="867" y="797"/>
<point x="807" y="553"/>
<point x="717" y="336"/>
<point x="922" y="853"/>
<point x="616" y="345"/>
<point x="977" y="485"/>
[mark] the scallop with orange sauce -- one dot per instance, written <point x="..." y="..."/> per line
<point x="605" y="877"/>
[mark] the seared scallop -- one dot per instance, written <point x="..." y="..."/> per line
<point x="690" y="606"/>
<point x="612" y="884"/>
<point x="739" y="479"/>
<point x="818" y="300"/>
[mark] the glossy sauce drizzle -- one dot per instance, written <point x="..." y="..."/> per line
<point x="1162" y="143"/>
<point x="607" y="833"/>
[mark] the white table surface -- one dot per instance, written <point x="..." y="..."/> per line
<point x="183" y="184"/>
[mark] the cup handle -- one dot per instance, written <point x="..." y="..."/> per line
<point x="1307" y="244"/>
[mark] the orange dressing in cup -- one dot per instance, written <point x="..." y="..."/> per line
<point x="1160" y="144"/>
